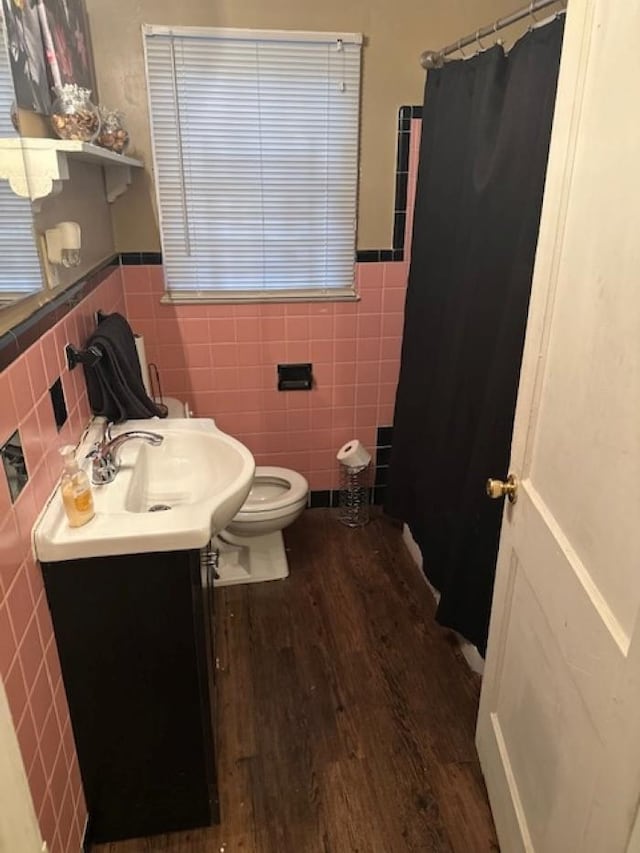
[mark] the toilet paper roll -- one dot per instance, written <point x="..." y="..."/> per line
<point x="353" y="454"/>
<point x="142" y="358"/>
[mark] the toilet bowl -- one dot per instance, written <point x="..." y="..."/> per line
<point x="276" y="499"/>
<point x="251" y="547"/>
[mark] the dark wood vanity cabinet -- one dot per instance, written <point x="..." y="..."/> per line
<point x="136" y="640"/>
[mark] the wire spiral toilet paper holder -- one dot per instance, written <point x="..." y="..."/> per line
<point x="354" y="495"/>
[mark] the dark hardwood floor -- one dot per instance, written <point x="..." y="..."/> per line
<point x="345" y="714"/>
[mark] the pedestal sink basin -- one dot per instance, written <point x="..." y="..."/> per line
<point x="172" y="497"/>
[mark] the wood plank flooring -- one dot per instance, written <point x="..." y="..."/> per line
<point x="346" y="715"/>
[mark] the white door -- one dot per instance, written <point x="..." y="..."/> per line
<point x="19" y="831"/>
<point x="559" y="724"/>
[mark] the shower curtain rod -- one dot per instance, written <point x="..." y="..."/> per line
<point x="435" y="58"/>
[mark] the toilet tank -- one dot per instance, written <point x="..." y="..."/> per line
<point x="177" y="408"/>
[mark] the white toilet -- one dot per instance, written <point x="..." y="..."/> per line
<point x="176" y="408"/>
<point x="251" y="547"/>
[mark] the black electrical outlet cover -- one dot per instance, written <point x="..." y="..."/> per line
<point x="295" y="377"/>
<point x="59" y="404"/>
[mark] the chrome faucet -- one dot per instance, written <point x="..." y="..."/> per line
<point x="104" y="455"/>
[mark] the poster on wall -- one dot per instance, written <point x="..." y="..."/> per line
<point x="26" y="53"/>
<point x="65" y="31"/>
<point x="49" y="45"/>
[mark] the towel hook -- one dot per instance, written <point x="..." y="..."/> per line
<point x="75" y="356"/>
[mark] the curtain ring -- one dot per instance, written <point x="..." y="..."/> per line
<point x="532" y="14"/>
<point x="479" y="41"/>
<point x="499" y="42"/>
<point x="460" y="48"/>
<point x="562" y="10"/>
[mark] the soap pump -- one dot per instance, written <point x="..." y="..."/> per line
<point x="76" y="490"/>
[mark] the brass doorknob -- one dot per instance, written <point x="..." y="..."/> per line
<point x="500" y="489"/>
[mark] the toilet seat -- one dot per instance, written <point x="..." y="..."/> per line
<point x="273" y="489"/>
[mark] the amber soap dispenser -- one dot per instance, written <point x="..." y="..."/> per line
<point x="76" y="490"/>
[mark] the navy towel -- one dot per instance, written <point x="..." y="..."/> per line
<point x="114" y="383"/>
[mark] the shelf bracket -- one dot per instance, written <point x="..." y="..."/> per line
<point x="36" y="177"/>
<point x="117" y="179"/>
<point x="38" y="168"/>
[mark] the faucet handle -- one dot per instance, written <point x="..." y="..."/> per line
<point x="103" y="468"/>
<point x="103" y="471"/>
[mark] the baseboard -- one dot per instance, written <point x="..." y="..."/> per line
<point x="474" y="659"/>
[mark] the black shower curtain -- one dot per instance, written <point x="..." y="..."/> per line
<point x="485" y="140"/>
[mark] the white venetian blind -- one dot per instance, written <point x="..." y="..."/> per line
<point x="255" y="138"/>
<point x="20" y="270"/>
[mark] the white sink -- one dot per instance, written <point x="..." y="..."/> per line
<point x="171" y="497"/>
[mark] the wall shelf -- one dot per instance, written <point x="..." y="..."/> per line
<point x="38" y="168"/>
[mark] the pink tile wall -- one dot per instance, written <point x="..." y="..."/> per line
<point x="222" y="360"/>
<point x="29" y="664"/>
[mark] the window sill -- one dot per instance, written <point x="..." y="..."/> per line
<point x="177" y="297"/>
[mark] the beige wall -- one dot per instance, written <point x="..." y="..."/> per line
<point x="395" y="32"/>
<point x="82" y="200"/>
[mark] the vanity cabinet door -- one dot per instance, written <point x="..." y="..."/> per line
<point x="131" y="636"/>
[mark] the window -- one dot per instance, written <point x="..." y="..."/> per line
<point x="255" y="138"/>
<point x="20" y="271"/>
